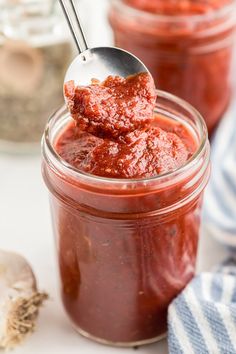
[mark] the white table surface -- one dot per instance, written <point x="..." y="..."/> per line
<point x="25" y="228"/>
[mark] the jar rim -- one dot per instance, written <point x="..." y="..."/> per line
<point x="56" y="161"/>
<point x="215" y="14"/>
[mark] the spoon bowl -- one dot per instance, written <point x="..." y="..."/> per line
<point x="96" y="63"/>
<point x="100" y="62"/>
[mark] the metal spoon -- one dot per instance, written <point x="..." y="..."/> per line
<point x="97" y="62"/>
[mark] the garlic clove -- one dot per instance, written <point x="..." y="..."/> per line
<point x="19" y="299"/>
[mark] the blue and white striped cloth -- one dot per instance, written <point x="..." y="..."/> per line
<point x="202" y="319"/>
<point x="220" y="197"/>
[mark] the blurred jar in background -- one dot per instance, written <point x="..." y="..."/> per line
<point x="35" y="51"/>
<point x="186" y="45"/>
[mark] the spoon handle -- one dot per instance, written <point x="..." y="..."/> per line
<point x="72" y="17"/>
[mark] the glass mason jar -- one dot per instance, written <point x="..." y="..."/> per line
<point x="189" y="55"/>
<point x="35" y="51"/>
<point x="125" y="248"/>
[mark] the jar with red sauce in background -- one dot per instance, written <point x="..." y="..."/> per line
<point x="187" y="46"/>
<point x="126" y="247"/>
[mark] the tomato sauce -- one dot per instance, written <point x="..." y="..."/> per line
<point x="126" y="248"/>
<point x="116" y="134"/>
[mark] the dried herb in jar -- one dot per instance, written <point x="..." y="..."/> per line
<point x="34" y="57"/>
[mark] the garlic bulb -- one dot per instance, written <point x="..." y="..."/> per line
<point x="19" y="299"/>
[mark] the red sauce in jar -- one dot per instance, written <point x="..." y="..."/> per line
<point x="187" y="45"/>
<point x="120" y="265"/>
<point x="116" y="133"/>
<point x="178" y="7"/>
<point x="143" y="153"/>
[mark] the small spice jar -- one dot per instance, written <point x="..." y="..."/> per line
<point x="125" y="247"/>
<point x="187" y="48"/>
<point x="35" y="51"/>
